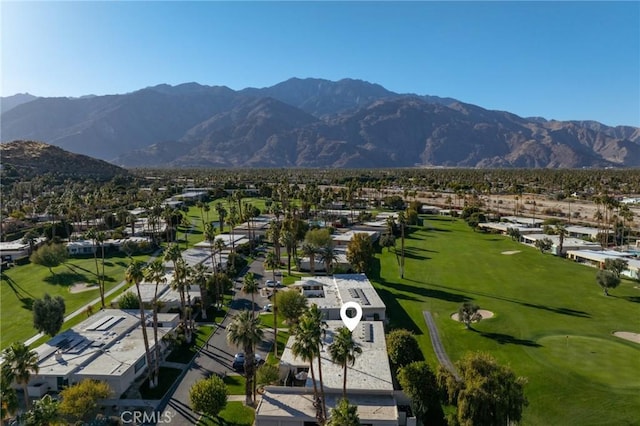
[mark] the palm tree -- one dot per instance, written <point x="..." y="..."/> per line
<point x="273" y="233"/>
<point x="92" y="234"/>
<point x="250" y="286"/>
<point x="272" y="262"/>
<point x="402" y="221"/>
<point x="172" y="254"/>
<point x="310" y="250"/>
<point x="200" y="278"/>
<point x="135" y="274"/>
<point x="19" y="363"/>
<point x="344" y="414"/>
<point x="306" y="347"/>
<point x="561" y="232"/>
<point x="222" y="214"/>
<point x="219" y="245"/>
<point x="244" y="331"/>
<point x="343" y="351"/>
<point x="155" y="272"/>
<point x="288" y="240"/>
<point x="319" y="329"/>
<point x="328" y="255"/>
<point x="210" y="236"/>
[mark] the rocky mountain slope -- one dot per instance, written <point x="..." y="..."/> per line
<point x="23" y="160"/>
<point x="311" y="123"/>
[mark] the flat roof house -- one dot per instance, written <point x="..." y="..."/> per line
<point x="107" y="346"/>
<point x="369" y="382"/>
<point x="330" y="292"/>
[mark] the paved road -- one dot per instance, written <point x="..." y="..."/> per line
<point x="441" y="354"/>
<point x="215" y="357"/>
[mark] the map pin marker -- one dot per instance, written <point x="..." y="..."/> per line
<point x="351" y="322"/>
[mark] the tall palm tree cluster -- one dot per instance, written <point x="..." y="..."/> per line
<point x="308" y="341"/>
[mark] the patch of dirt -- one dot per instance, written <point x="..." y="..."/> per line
<point x="510" y="252"/>
<point x="633" y="337"/>
<point x="485" y="315"/>
<point x="80" y="287"/>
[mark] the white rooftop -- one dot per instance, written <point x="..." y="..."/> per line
<point x="294" y="404"/>
<point x="342" y="288"/>
<point x="79" y="347"/>
<point x="370" y="371"/>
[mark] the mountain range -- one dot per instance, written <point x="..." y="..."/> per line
<point x="308" y="123"/>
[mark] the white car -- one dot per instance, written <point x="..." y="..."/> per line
<point x="272" y="283"/>
<point x="268" y="307"/>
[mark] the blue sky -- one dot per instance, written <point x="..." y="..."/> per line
<point x="567" y="60"/>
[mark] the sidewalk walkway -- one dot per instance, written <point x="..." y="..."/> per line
<point x="441" y="354"/>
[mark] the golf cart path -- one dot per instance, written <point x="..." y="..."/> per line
<point x="441" y="354"/>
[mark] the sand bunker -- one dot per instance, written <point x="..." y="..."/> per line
<point x="485" y="315"/>
<point x="80" y="287"/>
<point x="511" y="252"/>
<point x="634" y="337"/>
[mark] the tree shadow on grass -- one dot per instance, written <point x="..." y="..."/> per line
<point x="411" y="254"/>
<point x="66" y="278"/>
<point x="560" y="310"/>
<point x="505" y="339"/>
<point x="398" y="317"/>
<point x="634" y="299"/>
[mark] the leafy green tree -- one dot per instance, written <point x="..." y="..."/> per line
<point x="18" y="364"/>
<point x="128" y="300"/>
<point x="617" y="265"/>
<point x="360" y="252"/>
<point x="267" y="374"/>
<point x="244" y="331"/>
<point x="514" y="233"/>
<point x="209" y="396"/>
<point x="606" y="280"/>
<point x="468" y="313"/>
<point x="48" y="314"/>
<point x="344" y="414"/>
<point x="544" y="244"/>
<point x="420" y="385"/>
<point x="487" y="394"/>
<point x="291" y="304"/>
<point x="344" y="351"/>
<point x="412" y="216"/>
<point x="50" y="256"/>
<point x="80" y="401"/>
<point x="44" y="412"/>
<point x="403" y="348"/>
<point x="8" y="399"/>
<point x="387" y="241"/>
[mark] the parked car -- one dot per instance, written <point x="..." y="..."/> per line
<point x="238" y="361"/>
<point x="272" y="283"/>
<point x="268" y="307"/>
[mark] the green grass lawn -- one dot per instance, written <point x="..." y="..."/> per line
<point x="590" y="377"/>
<point x="235" y="384"/>
<point x="23" y="284"/>
<point x="234" y="414"/>
<point x="185" y="353"/>
<point x="165" y="381"/>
